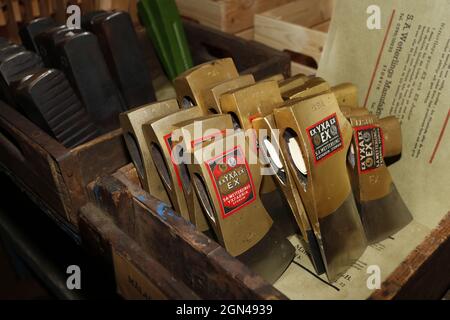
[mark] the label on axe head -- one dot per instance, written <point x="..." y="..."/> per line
<point x="325" y="137"/>
<point x="233" y="182"/>
<point x="369" y="145"/>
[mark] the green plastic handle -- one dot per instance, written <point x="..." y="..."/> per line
<point x="163" y="24"/>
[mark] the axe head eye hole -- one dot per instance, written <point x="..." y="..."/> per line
<point x="161" y="165"/>
<point x="296" y="155"/>
<point x="204" y="197"/>
<point x="213" y="110"/>
<point x="236" y="123"/>
<point x="187" y="102"/>
<point x="135" y="153"/>
<point x="351" y="155"/>
<point x="273" y="157"/>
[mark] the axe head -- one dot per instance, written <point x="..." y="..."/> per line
<point x="87" y="18"/>
<point x="196" y="134"/>
<point x="10" y="50"/>
<point x="191" y="84"/>
<point x="124" y="57"/>
<point x="313" y="86"/>
<point x="293" y="82"/>
<point x="381" y="208"/>
<point x="160" y="135"/>
<point x="131" y="123"/>
<point x="49" y="101"/>
<point x="14" y="68"/>
<point x="226" y="183"/>
<point x="29" y="31"/>
<point x="346" y="94"/>
<point x="92" y="81"/>
<point x="46" y="43"/>
<point x="315" y="138"/>
<point x="270" y="149"/>
<point x="211" y="96"/>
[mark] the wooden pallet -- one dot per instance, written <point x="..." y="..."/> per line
<point x="228" y="16"/>
<point x="300" y="28"/>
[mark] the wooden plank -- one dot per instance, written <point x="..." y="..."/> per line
<point x="250" y="57"/>
<point x="425" y="273"/>
<point x="283" y="35"/>
<point x="175" y="243"/>
<point x="228" y="16"/>
<point x="248" y="34"/>
<point x="138" y="276"/>
<point x="101" y="156"/>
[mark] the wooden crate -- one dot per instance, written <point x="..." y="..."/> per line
<point x="56" y="177"/>
<point x="192" y="259"/>
<point x="13" y="13"/>
<point x="225" y="15"/>
<point x="299" y="27"/>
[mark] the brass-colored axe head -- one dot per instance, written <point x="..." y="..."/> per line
<point x="226" y="183"/>
<point x="131" y="123"/>
<point x="158" y="134"/>
<point x="392" y="133"/>
<point x="381" y="208"/>
<point x="192" y="135"/>
<point x="269" y="144"/>
<point x="346" y="94"/>
<point x="292" y="82"/>
<point x="191" y="84"/>
<point x="315" y="138"/>
<point x="211" y="96"/>
<point x="246" y="103"/>
<point x="311" y="87"/>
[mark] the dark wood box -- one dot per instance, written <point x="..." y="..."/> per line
<point x="56" y="177"/>
<point x="121" y="217"/>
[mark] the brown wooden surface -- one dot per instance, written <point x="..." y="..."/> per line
<point x="175" y="243"/>
<point x="138" y="276"/>
<point x="250" y="57"/>
<point x="425" y="273"/>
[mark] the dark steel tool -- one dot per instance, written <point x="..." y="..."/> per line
<point x="86" y="19"/>
<point x="49" y="101"/>
<point x="46" y="43"/>
<point x="124" y="57"/>
<point x="13" y="68"/>
<point x="30" y="30"/>
<point x="81" y="59"/>
<point x="315" y="139"/>
<point x="381" y="207"/>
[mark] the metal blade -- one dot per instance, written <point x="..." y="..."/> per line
<point x="383" y="217"/>
<point x="343" y="238"/>
<point x="271" y="256"/>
